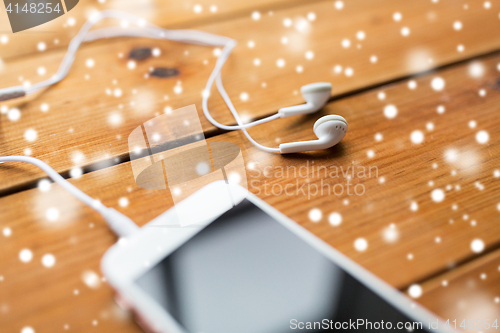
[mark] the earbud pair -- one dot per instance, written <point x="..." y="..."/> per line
<point x="330" y="129"/>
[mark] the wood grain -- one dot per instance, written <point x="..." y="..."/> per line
<point x="85" y="116"/>
<point x="421" y="152"/>
<point x="407" y="243"/>
<point x="471" y="291"/>
<point x="56" y="34"/>
<point x="44" y="298"/>
<point x="411" y="238"/>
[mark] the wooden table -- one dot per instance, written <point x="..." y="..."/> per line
<point x="430" y="214"/>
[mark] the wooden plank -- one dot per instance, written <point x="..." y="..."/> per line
<point x="56" y="34"/>
<point x="407" y="228"/>
<point x="458" y="155"/>
<point x="471" y="291"/>
<point x="83" y="118"/>
<point x="438" y="169"/>
<point x="45" y="298"/>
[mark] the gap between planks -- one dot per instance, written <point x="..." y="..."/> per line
<point x="125" y="157"/>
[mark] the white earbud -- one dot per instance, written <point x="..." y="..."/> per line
<point x="330" y="130"/>
<point x="315" y="94"/>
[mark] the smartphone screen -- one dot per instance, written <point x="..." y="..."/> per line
<point x="246" y="272"/>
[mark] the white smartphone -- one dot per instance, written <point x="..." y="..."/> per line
<point x="243" y="267"/>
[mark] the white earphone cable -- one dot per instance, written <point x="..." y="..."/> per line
<point x="187" y="36"/>
<point x="119" y="223"/>
<point x="151" y="31"/>
<point x="231" y="107"/>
